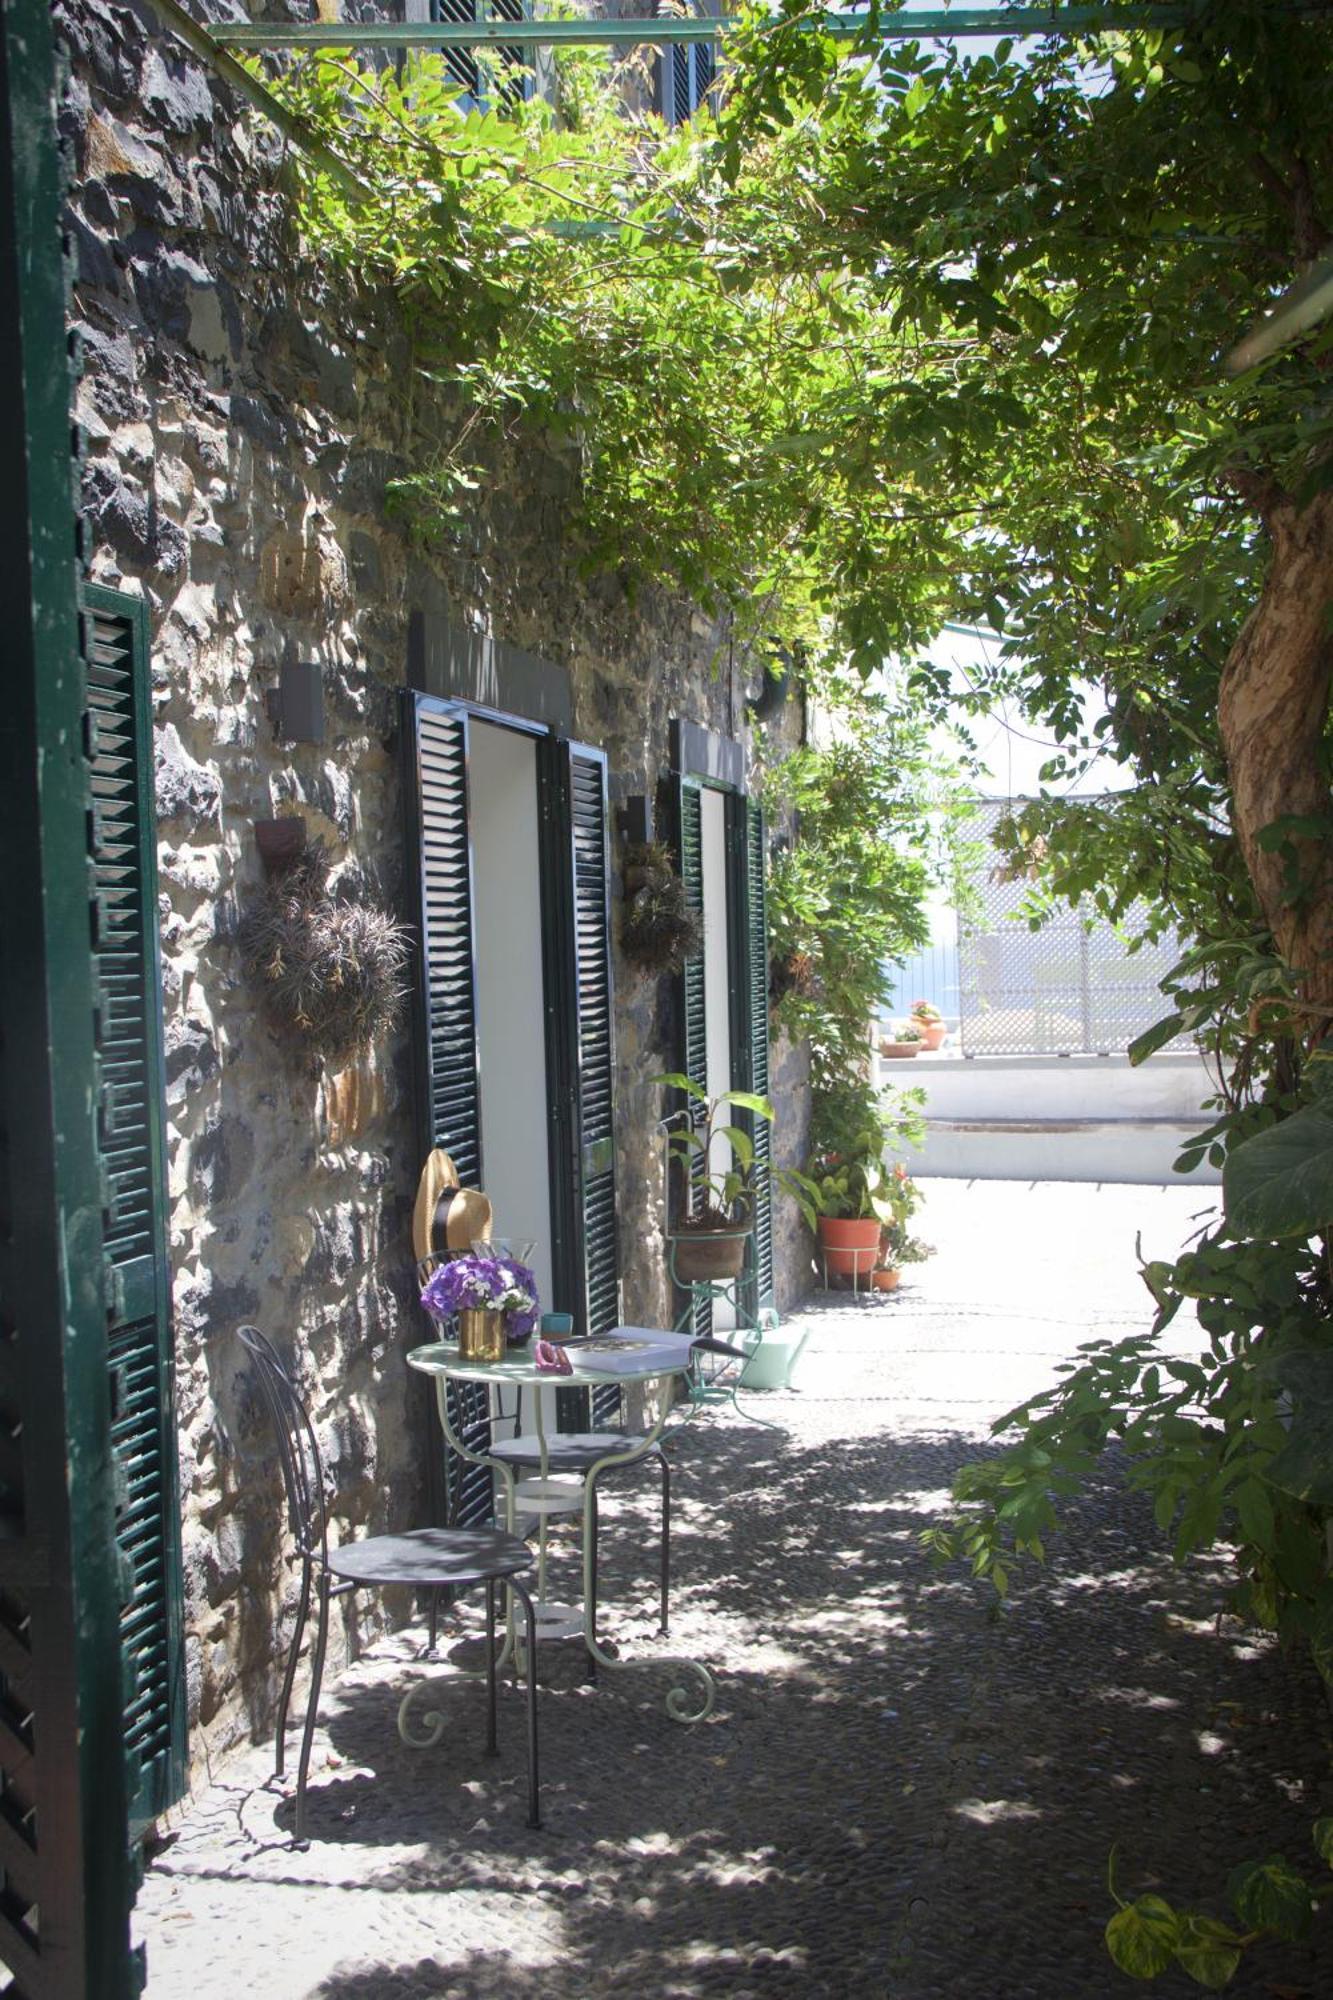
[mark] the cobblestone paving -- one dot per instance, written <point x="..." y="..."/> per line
<point x="902" y="1792"/>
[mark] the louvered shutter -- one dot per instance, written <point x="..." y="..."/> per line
<point x="581" y="1051"/>
<point x="752" y="1044"/>
<point x="689" y="815"/>
<point x="131" y="1121"/>
<point x="435" y="793"/>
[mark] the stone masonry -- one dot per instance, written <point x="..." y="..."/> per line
<point x="241" y="418"/>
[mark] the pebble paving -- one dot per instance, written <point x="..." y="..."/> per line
<point x="905" y="1793"/>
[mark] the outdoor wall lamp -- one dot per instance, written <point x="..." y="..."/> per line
<point x="636" y="819"/>
<point x="296" y="705"/>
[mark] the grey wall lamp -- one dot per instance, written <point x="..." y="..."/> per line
<point x="296" y="705"/>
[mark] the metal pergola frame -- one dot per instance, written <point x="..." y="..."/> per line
<point x="1305" y="305"/>
<point x="908" y="24"/>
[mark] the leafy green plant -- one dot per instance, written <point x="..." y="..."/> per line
<point x="713" y="1196"/>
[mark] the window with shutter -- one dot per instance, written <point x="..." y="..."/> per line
<point x="502" y="73"/>
<point x="131" y="1123"/>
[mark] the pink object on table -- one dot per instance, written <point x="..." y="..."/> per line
<point x="548" y="1359"/>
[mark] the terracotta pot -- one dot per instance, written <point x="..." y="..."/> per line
<point x="850" y="1245"/>
<point x="886" y="1280"/>
<point x="932" y="1033"/>
<point x="901" y="1048"/>
<point x="708" y="1256"/>
<point x="481" y="1334"/>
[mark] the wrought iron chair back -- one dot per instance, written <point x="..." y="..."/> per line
<point x="298" y="1451"/>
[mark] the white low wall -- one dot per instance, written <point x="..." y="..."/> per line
<point x="1072" y="1118"/>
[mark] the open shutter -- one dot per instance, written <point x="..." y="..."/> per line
<point x="131" y="1120"/>
<point x="581" y="1050"/>
<point x="435" y="792"/>
<point x="690" y="849"/>
<point x="446" y="1006"/>
<point x="751" y="1053"/>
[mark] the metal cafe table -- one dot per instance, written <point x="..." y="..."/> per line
<point x="624" y="1355"/>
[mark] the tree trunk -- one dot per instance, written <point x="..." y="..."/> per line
<point x="1272" y="713"/>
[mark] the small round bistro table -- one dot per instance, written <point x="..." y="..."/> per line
<point x="625" y="1354"/>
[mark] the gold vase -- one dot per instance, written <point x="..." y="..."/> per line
<point x="481" y="1334"/>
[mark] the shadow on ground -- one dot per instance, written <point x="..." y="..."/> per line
<point x="904" y="1791"/>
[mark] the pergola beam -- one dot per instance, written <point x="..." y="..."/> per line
<point x="915" y="24"/>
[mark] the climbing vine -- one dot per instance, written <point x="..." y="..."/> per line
<point x="911" y="334"/>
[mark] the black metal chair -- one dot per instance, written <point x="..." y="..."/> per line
<point x="426" y="1558"/>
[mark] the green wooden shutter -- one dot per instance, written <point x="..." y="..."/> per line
<point x="68" y="1879"/>
<point x="439" y="851"/>
<point x="580" y="1051"/>
<point x="435" y="792"/>
<point x="131" y="1124"/>
<point x="694" y="1053"/>
<point x="751" y="1053"/>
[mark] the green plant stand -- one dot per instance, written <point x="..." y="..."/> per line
<point x="722" y="1385"/>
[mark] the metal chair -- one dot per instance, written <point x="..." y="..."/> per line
<point x="427" y="1558"/>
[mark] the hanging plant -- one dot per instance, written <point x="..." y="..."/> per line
<point x="658" y="930"/>
<point x="330" y="971"/>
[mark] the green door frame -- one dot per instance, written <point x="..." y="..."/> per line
<point x="64" y="1846"/>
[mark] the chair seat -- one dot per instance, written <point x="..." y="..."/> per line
<point x="433" y="1557"/>
<point x="566" y="1451"/>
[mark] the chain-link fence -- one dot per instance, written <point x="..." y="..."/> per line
<point x="1068" y="988"/>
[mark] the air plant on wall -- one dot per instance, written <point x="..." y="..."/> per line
<point x="658" y="930"/>
<point x="330" y="970"/>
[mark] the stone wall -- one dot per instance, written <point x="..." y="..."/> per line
<point x="240" y="421"/>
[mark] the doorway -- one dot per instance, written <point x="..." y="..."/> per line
<point x="510" y="983"/>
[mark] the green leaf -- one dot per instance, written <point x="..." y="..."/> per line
<point x="1271" y="1895"/>
<point x="1322" y="1834"/>
<point x="1304" y="1464"/>
<point x="675" y="1080"/>
<point x="1208" y="1951"/>
<point x="1255" y="1511"/>
<point x="1142" y="1938"/>
<point x="1154" y="1038"/>
<point x="1280" y="1182"/>
<point x="747" y="1100"/>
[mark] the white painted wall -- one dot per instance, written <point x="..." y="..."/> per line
<point x="510" y="1028"/>
<point x="1085" y="1118"/>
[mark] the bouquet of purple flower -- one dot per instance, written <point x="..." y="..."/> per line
<point x="491" y="1284"/>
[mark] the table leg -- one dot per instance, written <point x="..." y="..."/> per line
<point x="678" y="1702"/>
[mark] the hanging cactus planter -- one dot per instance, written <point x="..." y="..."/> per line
<point x="329" y="970"/>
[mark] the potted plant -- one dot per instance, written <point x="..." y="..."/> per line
<point x="904" y="1041"/>
<point x="494" y="1296"/>
<point x="715" y="1177"/>
<point x="898" y="1246"/>
<point x="844" y="1195"/>
<point x="930" y="1021"/>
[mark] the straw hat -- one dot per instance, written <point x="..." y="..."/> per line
<point x="437" y="1176"/>
<point x="462" y="1217"/>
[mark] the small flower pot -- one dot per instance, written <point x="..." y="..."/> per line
<point x="886" y="1278"/>
<point x="894" y="1049"/>
<point x="850" y="1245"/>
<point x="932" y="1034"/>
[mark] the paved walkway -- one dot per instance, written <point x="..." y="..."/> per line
<point x="903" y="1794"/>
